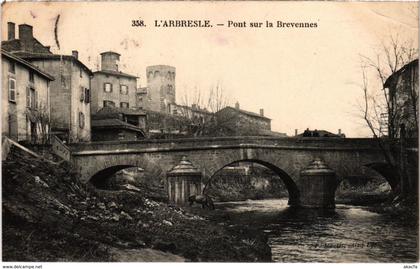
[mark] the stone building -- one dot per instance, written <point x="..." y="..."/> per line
<point x="160" y="88"/>
<point x="111" y="87"/>
<point x="70" y="89"/>
<point x="25" y="100"/>
<point x="110" y="124"/>
<point x="141" y="98"/>
<point x="193" y="112"/>
<point x="237" y="122"/>
<point x="403" y="88"/>
<point x="163" y="125"/>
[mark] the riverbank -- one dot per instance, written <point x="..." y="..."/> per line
<point x="49" y="216"/>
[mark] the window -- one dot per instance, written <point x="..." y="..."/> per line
<point x="31" y="76"/>
<point x="82" y="94"/>
<point x="124" y="104"/>
<point x="108" y="103"/>
<point x="107" y="87"/>
<point x="12" y="90"/>
<point x="80" y="72"/>
<point x="87" y="95"/>
<point x="81" y="120"/>
<point x="12" y="67"/>
<point x="31" y="98"/>
<point x="123" y="89"/>
<point x="63" y="81"/>
<point x="170" y="89"/>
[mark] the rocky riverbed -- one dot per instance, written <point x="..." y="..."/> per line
<point x="49" y="216"/>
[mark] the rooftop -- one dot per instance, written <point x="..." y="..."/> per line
<point x="110" y="52"/>
<point x="120" y="110"/>
<point x="322" y="133"/>
<point x="392" y="78"/>
<point x="114" y="73"/>
<point x="16" y="45"/>
<point x="45" y="56"/>
<point x="114" y="124"/>
<point x="26" y="64"/>
<point x="248" y="113"/>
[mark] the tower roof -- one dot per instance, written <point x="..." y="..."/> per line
<point x="110" y="52"/>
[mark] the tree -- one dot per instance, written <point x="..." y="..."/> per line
<point x="41" y="118"/>
<point x="379" y="102"/>
<point x="201" y="112"/>
<point x="382" y="112"/>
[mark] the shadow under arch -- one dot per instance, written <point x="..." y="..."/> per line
<point x="99" y="179"/>
<point x="388" y="172"/>
<point x="292" y="189"/>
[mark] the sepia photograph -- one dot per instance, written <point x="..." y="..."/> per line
<point x="209" y="131"/>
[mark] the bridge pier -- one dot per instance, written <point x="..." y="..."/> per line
<point x="318" y="185"/>
<point x="183" y="181"/>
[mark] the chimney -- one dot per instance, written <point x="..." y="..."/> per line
<point x="11" y="31"/>
<point x="262" y="112"/>
<point x="75" y="54"/>
<point x="296" y="132"/>
<point x="237" y="105"/>
<point x="339" y="131"/>
<point x="25" y="32"/>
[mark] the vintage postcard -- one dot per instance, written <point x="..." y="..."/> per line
<point x="209" y="131"/>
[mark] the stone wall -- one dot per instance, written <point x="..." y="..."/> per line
<point x="65" y="93"/>
<point x="99" y="95"/>
<point x="236" y="123"/>
<point x="15" y="123"/>
<point x="114" y="134"/>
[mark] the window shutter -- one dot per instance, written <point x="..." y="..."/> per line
<point x="12" y="90"/>
<point x="110" y="87"/>
<point x="87" y="95"/>
<point x="36" y="99"/>
<point x="28" y="97"/>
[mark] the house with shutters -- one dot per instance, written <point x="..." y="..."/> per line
<point x="111" y="87"/>
<point x="25" y="100"/>
<point x="69" y="91"/>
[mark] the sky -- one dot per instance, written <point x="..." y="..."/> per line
<point x="302" y="77"/>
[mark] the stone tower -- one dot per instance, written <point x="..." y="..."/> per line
<point x="110" y="61"/>
<point x="161" y="87"/>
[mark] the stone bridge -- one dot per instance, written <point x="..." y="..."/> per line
<point x="285" y="156"/>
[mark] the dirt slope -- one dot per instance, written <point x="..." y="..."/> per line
<point x="49" y="216"/>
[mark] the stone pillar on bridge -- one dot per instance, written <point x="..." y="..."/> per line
<point x="183" y="181"/>
<point x="318" y="185"/>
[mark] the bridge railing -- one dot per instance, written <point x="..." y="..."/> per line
<point x="292" y="142"/>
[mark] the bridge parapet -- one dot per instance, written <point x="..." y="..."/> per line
<point x="235" y="142"/>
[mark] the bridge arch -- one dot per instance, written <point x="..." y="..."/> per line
<point x="99" y="179"/>
<point x="386" y="171"/>
<point x="290" y="184"/>
<point x="105" y="166"/>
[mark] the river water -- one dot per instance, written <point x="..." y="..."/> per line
<point x="346" y="234"/>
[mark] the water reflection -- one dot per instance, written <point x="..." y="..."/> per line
<point x="346" y="234"/>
